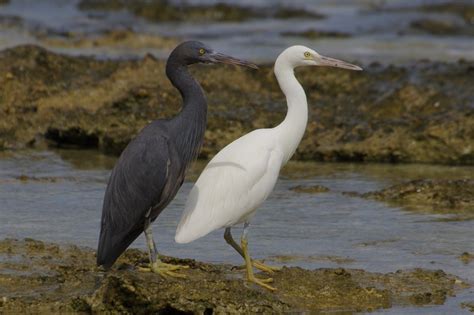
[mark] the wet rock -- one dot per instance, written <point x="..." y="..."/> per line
<point x="313" y="189"/>
<point x="465" y="10"/>
<point x="416" y="113"/>
<point x="466" y="257"/>
<point x="315" y="34"/>
<point x="438" y="196"/>
<point x="290" y="13"/>
<point x="40" y="277"/>
<point x="468" y="305"/>
<point x="162" y="11"/>
<point x="113" y="38"/>
<point x="441" y="27"/>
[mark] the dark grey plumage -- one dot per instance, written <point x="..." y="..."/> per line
<point x="152" y="167"/>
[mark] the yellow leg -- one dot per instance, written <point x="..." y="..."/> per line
<point x="265" y="268"/>
<point x="250" y="275"/>
<point x="256" y="263"/>
<point x="156" y="265"/>
<point x="164" y="269"/>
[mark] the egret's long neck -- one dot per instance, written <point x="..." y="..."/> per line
<point x="190" y="123"/>
<point x="291" y="130"/>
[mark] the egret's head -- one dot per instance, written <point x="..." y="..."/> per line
<point x="297" y="56"/>
<point x="192" y="52"/>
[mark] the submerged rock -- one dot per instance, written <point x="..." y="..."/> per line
<point x="314" y="189"/>
<point x="40" y="277"/>
<point x="416" y="113"/>
<point x="442" y="27"/>
<point x="438" y="196"/>
<point x="163" y="11"/>
<point x="315" y="34"/>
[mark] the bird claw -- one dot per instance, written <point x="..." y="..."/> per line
<point x="262" y="282"/>
<point x="265" y="268"/>
<point x="260" y="266"/>
<point x="165" y="270"/>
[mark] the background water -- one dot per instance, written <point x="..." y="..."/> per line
<point x="380" y="30"/>
<point x="57" y="196"/>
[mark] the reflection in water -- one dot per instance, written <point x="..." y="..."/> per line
<point x="310" y="230"/>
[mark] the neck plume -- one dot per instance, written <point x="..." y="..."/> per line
<point x="291" y="130"/>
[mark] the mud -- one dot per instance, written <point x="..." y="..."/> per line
<point x="408" y="113"/>
<point x="38" y="277"/>
<point x="162" y="11"/>
<point x="434" y="196"/>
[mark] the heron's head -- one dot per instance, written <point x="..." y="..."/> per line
<point x="192" y="52"/>
<point x="297" y="56"/>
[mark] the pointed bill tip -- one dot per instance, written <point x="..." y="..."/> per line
<point x="332" y="62"/>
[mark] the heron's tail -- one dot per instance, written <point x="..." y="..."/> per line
<point x="112" y="245"/>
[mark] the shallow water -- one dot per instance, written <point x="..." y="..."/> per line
<point x="377" y="35"/>
<point x="56" y="196"/>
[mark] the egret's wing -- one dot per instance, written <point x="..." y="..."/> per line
<point x="135" y="186"/>
<point x="229" y="188"/>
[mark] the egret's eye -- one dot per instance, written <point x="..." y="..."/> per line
<point x="202" y="51"/>
<point x="307" y="54"/>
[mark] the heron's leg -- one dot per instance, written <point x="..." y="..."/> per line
<point x="156" y="265"/>
<point x="248" y="263"/>
<point x="256" y="263"/>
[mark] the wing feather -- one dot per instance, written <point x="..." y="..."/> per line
<point x="231" y="187"/>
<point x="135" y="186"/>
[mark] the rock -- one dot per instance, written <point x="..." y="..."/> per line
<point x="162" y="10"/>
<point x="416" y="113"/>
<point x="438" y="196"/>
<point x="315" y="34"/>
<point x="38" y="277"/>
<point x="466" y="257"/>
<point x="441" y="27"/>
<point x="114" y="38"/>
<point x="313" y="189"/>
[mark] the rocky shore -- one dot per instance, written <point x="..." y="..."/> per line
<point x="454" y="197"/>
<point x="38" y="277"/>
<point x="413" y="113"/>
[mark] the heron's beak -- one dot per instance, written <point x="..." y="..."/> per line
<point x="221" y="58"/>
<point x="331" y="62"/>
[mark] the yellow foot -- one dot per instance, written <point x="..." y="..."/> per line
<point x="265" y="268"/>
<point x="262" y="282"/>
<point x="164" y="269"/>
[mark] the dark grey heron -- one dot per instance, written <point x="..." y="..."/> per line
<point x="152" y="167"/>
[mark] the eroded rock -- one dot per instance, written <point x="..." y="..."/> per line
<point x="438" y="196"/>
<point x="38" y="277"/>
<point x="419" y="113"/>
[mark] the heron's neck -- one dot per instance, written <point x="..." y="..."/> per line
<point x="192" y="119"/>
<point x="291" y="130"/>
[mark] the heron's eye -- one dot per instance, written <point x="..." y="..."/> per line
<point x="202" y="51"/>
<point x="307" y="54"/>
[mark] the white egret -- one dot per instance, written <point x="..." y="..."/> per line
<point x="242" y="175"/>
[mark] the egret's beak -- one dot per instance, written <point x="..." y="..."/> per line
<point x="331" y="62"/>
<point x="216" y="57"/>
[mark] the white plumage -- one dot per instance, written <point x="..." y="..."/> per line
<point x="243" y="174"/>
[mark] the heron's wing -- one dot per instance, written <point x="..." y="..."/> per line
<point x="135" y="186"/>
<point x="231" y="187"/>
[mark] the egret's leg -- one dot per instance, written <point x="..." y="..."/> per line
<point x="156" y="265"/>
<point x="256" y="263"/>
<point x="248" y="263"/>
